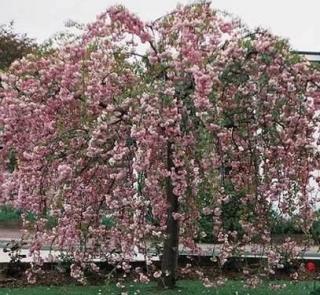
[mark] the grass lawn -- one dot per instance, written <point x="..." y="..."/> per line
<point x="184" y="288"/>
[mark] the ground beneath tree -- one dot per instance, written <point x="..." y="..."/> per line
<point x="58" y="277"/>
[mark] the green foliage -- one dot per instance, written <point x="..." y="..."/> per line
<point x="247" y="44"/>
<point x="315" y="229"/>
<point x="206" y="227"/>
<point x="13" y="45"/>
<point x="266" y="58"/>
<point x="234" y="74"/>
<point x="283" y="226"/>
<point x="108" y="222"/>
<point x="293" y="58"/>
<point x="231" y="213"/>
<point x="8" y="214"/>
<point x="12" y="161"/>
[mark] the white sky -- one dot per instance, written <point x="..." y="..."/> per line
<point x="297" y="20"/>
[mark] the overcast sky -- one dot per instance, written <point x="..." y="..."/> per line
<point x="297" y="20"/>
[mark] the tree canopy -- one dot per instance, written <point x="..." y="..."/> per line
<point x="153" y="125"/>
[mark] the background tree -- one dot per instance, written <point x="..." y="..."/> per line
<point x="155" y="140"/>
<point x="13" y="45"/>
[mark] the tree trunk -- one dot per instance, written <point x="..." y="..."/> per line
<point x="169" y="259"/>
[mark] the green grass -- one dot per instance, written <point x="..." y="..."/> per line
<point x="184" y="288"/>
